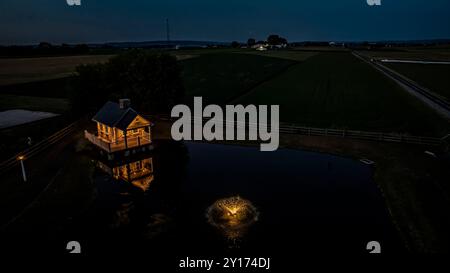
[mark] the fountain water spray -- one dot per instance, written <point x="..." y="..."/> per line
<point x="232" y="216"/>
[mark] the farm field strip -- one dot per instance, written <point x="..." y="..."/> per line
<point x="435" y="102"/>
<point x="318" y="89"/>
<point x="413" y="62"/>
<point x="22" y="70"/>
<point x="401" y="54"/>
<point x="337" y="90"/>
<point x="11" y="102"/>
<point x="221" y="77"/>
<point x="432" y="76"/>
<point x="288" y="55"/>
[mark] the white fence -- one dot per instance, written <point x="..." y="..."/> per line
<point x="289" y="128"/>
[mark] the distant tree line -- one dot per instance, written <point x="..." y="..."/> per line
<point x="151" y="80"/>
<point x="272" y="40"/>
<point x="44" y="49"/>
<point x="276" y="40"/>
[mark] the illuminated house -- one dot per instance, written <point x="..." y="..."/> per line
<point x="139" y="173"/>
<point x="120" y="128"/>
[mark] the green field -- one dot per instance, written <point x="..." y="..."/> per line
<point x="56" y="88"/>
<point x="282" y="54"/>
<point x="22" y="70"/>
<point x="432" y="76"/>
<point x="337" y="90"/>
<point x="54" y="105"/>
<point x="322" y="89"/>
<point x="431" y="54"/>
<point x="221" y="77"/>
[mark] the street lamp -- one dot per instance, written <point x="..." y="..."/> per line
<point x="21" y="159"/>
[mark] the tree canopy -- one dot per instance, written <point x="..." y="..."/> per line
<point x="151" y="80"/>
<point x="276" y="40"/>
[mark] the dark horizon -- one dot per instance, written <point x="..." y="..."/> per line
<point x="205" y="42"/>
<point x="30" y="22"/>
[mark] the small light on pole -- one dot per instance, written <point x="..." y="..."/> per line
<point x="21" y="159"/>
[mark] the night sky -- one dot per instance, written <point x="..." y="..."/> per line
<point x="33" y="21"/>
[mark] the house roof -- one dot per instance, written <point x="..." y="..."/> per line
<point x="113" y="116"/>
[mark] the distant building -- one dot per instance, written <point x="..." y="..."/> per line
<point x="260" y="47"/>
<point x="265" y="47"/>
<point x="120" y="128"/>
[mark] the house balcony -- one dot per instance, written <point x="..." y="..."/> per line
<point x="120" y="144"/>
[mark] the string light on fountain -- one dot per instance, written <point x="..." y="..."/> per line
<point x="232" y="216"/>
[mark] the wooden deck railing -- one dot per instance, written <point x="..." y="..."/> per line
<point x="132" y="142"/>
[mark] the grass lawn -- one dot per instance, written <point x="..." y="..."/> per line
<point x="415" y="186"/>
<point x="221" y="77"/>
<point x="14" y="139"/>
<point x="56" y="88"/>
<point x="69" y="192"/>
<point x="432" y="76"/>
<point x="54" y="105"/>
<point x="338" y="90"/>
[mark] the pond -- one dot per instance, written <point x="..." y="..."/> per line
<point x="312" y="202"/>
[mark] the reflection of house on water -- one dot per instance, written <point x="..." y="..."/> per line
<point x="139" y="172"/>
<point x="125" y="137"/>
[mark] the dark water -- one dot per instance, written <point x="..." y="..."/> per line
<point x="308" y="202"/>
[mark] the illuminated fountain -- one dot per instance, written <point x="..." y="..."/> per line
<point x="232" y="216"/>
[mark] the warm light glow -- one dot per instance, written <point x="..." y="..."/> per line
<point x="143" y="183"/>
<point x="21" y="157"/>
<point x="232" y="216"/>
<point x="233" y="210"/>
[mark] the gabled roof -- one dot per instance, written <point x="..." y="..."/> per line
<point x="113" y="116"/>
